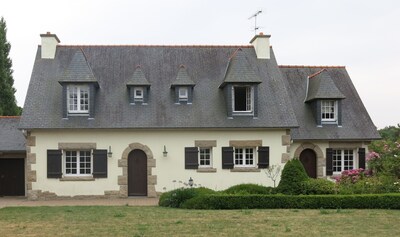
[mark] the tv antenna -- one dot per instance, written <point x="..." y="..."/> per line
<point x="255" y="20"/>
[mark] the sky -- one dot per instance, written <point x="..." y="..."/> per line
<point x="363" y="35"/>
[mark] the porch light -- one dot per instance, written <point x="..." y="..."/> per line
<point x="165" y="152"/>
<point x="191" y="182"/>
<point x="109" y="153"/>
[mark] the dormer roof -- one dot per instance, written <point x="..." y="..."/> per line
<point x="183" y="78"/>
<point x="239" y="70"/>
<point x="138" y="78"/>
<point x="78" y="70"/>
<point x="321" y="86"/>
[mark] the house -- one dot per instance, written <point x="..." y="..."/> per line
<point x="12" y="157"/>
<point x="137" y="120"/>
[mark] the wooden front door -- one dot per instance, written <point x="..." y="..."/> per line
<point x="12" y="177"/>
<point x="309" y="161"/>
<point x="137" y="173"/>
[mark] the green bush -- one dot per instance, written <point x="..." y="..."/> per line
<point x="293" y="174"/>
<point x="318" y="186"/>
<point x="249" y="189"/>
<point x="223" y="201"/>
<point x="177" y="197"/>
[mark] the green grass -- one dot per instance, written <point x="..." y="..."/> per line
<point x="159" y="221"/>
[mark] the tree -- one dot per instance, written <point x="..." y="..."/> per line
<point x="8" y="105"/>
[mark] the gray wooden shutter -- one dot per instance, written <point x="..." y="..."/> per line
<point x="227" y="157"/>
<point x="54" y="159"/>
<point x="100" y="163"/>
<point x="329" y="165"/>
<point x="361" y="158"/>
<point x="263" y="157"/>
<point x="191" y="158"/>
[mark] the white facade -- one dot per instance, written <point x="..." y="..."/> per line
<point x="167" y="169"/>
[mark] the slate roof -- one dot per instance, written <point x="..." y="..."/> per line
<point x="11" y="139"/>
<point x="138" y="78"/>
<point x="113" y="66"/>
<point x="183" y="78"/>
<point x="321" y="86"/>
<point x="356" y="123"/>
<point x="240" y="70"/>
<point x="78" y="70"/>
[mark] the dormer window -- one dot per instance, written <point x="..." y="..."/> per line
<point x="328" y="111"/>
<point x="138" y="94"/>
<point x="243" y="97"/>
<point x="183" y="94"/>
<point x="78" y="99"/>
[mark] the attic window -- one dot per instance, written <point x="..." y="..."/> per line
<point x="328" y="111"/>
<point x="78" y="99"/>
<point x="183" y="94"/>
<point x="138" y="94"/>
<point x="242" y="98"/>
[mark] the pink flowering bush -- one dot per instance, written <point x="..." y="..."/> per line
<point x="384" y="158"/>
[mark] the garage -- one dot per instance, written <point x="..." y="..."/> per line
<point x="12" y="157"/>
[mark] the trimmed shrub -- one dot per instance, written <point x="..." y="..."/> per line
<point x="371" y="201"/>
<point x="293" y="174"/>
<point x="177" y="197"/>
<point x="249" y="189"/>
<point x="318" y="186"/>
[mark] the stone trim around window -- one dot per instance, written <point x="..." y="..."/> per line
<point x="345" y="145"/>
<point x="245" y="143"/>
<point x="206" y="170"/>
<point x="205" y="143"/>
<point x="89" y="178"/>
<point x="76" y="146"/>
<point x="245" y="169"/>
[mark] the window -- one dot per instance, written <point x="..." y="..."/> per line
<point x="78" y="99"/>
<point x="328" y="111"/>
<point x="138" y="94"/>
<point x="244" y="157"/>
<point x="242" y="99"/>
<point x="78" y="163"/>
<point x="342" y="160"/>
<point x="205" y="155"/>
<point x="183" y="93"/>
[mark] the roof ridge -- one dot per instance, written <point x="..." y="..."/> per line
<point x="309" y="66"/>
<point x="1" y="117"/>
<point x="158" y="45"/>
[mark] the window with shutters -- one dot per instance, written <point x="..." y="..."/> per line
<point x="205" y="157"/>
<point x="244" y="157"/>
<point x="78" y="99"/>
<point x="342" y="159"/>
<point x="77" y="163"/>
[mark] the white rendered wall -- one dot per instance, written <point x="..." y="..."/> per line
<point x="167" y="169"/>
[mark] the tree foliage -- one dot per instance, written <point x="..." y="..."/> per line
<point x="8" y="105"/>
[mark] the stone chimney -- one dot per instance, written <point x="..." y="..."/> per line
<point x="49" y="45"/>
<point x="261" y="45"/>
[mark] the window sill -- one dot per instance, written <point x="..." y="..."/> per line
<point x="245" y="169"/>
<point x="206" y="170"/>
<point x="89" y="178"/>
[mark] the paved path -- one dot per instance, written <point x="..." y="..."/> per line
<point x="22" y="201"/>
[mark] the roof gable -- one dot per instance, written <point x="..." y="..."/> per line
<point x="138" y="78"/>
<point x="11" y="139"/>
<point x="239" y="70"/>
<point x="321" y="86"/>
<point x="182" y="79"/>
<point x="78" y="70"/>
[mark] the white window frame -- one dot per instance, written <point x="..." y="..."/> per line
<point x="342" y="157"/>
<point x="327" y="105"/>
<point x="241" y="153"/>
<point x="77" y="90"/>
<point x="78" y="163"/>
<point x="249" y="99"/>
<point x="183" y="93"/>
<point x="203" y="152"/>
<point x="135" y="94"/>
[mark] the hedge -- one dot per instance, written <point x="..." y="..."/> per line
<point x="366" y="201"/>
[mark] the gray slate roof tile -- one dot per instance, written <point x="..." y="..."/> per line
<point x="11" y="139"/>
<point x="182" y="79"/>
<point x="78" y="69"/>
<point x="321" y="86"/>
<point x="138" y="78"/>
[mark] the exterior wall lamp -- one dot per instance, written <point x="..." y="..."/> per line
<point x="109" y="153"/>
<point x="191" y="182"/>
<point x="165" y="152"/>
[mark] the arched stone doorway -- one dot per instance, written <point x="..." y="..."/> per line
<point x="309" y="160"/>
<point x="320" y="159"/>
<point x="137" y="173"/>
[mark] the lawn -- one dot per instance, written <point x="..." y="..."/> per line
<point x="159" y="221"/>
